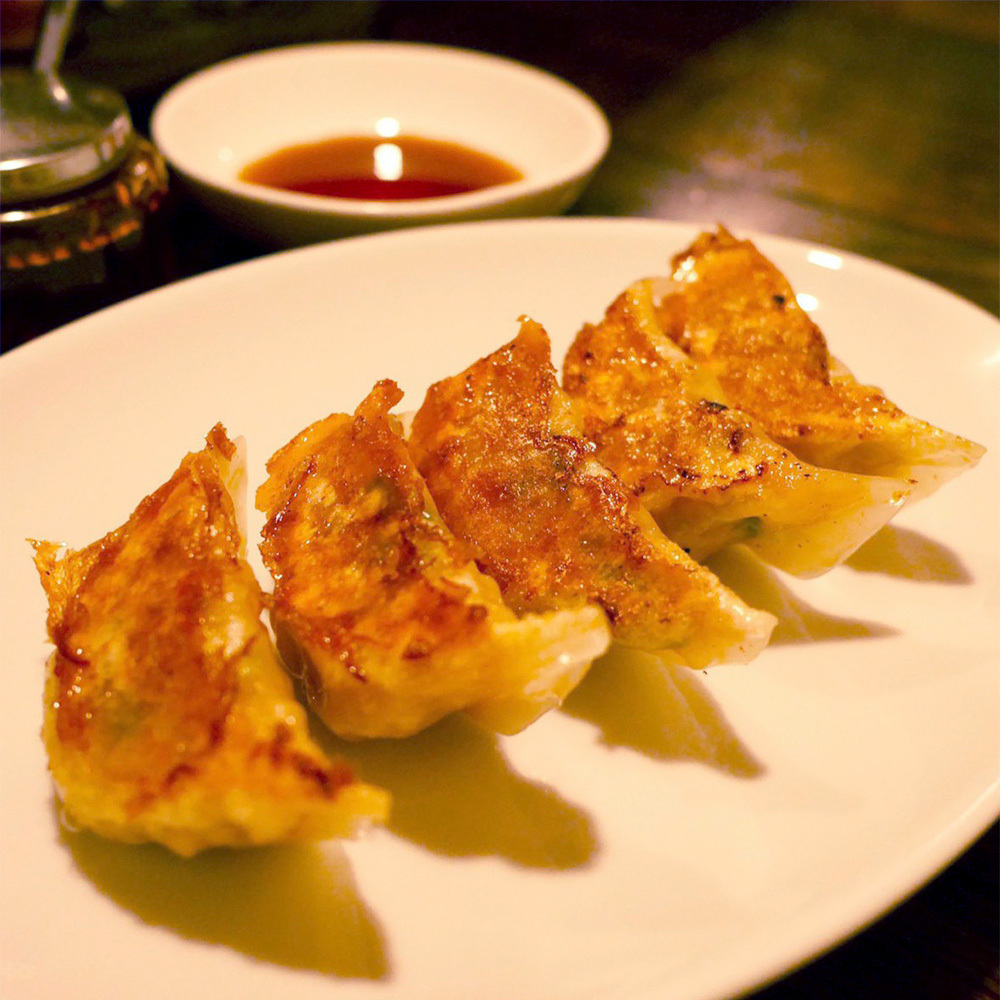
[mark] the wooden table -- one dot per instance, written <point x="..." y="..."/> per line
<point x="870" y="126"/>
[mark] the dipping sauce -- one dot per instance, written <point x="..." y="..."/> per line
<point x="370" y="168"/>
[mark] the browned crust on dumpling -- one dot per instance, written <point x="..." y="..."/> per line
<point x="708" y="472"/>
<point x="498" y="445"/>
<point x="381" y="609"/>
<point x="639" y="409"/>
<point x="349" y="539"/>
<point x="157" y="691"/>
<point x="736" y="312"/>
<point x="730" y="309"/>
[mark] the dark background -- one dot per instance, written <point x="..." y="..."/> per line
<point x="870" y="126"/>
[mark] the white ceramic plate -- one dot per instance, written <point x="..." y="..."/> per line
<point x="223" y="118"/>
<point x="667" y="834"/>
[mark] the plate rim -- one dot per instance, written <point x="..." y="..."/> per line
<point x="22" y="354"/>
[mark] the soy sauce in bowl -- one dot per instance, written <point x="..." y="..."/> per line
<point x="372" y="168"/>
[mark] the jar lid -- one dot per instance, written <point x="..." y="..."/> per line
<point x="57" y="134"/>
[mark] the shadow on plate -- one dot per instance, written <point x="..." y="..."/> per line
<point x="660" y="709"/>
<point x="907" y="554"/>
<point x="454" y="793"/>
<point x="293" y="906"/>
<point x="798" y="622"/>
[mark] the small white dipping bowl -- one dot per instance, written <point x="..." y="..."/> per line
<point x="218" y="121"/>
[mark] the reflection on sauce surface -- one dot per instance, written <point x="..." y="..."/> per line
<point x="370" y="168"/>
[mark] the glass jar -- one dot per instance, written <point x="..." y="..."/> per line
<point x="80" y="196"/>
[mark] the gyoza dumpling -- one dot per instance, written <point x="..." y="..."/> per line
<point x="499" y="447"/>
<point x="381" y="609"/>
<point x="708" y="473"/>
<point x="168" y="716"/>
<point x="733" y="311"/>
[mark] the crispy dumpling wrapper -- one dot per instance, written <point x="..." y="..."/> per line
<point x="168" y="716"/>
<point x="708" y="473"/>
<point x="731" y="310"/>
<point x="381" y="611"/>
<point x="500" y="448"/>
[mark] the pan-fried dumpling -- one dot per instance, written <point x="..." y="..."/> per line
<point x="733" y="311"/>
<point x="499" y="447"/>
<point x="381" y="610"/>
<point x="707" y="473"/>
<point x="168" y="716"/>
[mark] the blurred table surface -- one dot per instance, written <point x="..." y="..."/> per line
<point x="869" y="126"/>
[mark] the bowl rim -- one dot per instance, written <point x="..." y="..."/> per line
<point x="453" y="205"/>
